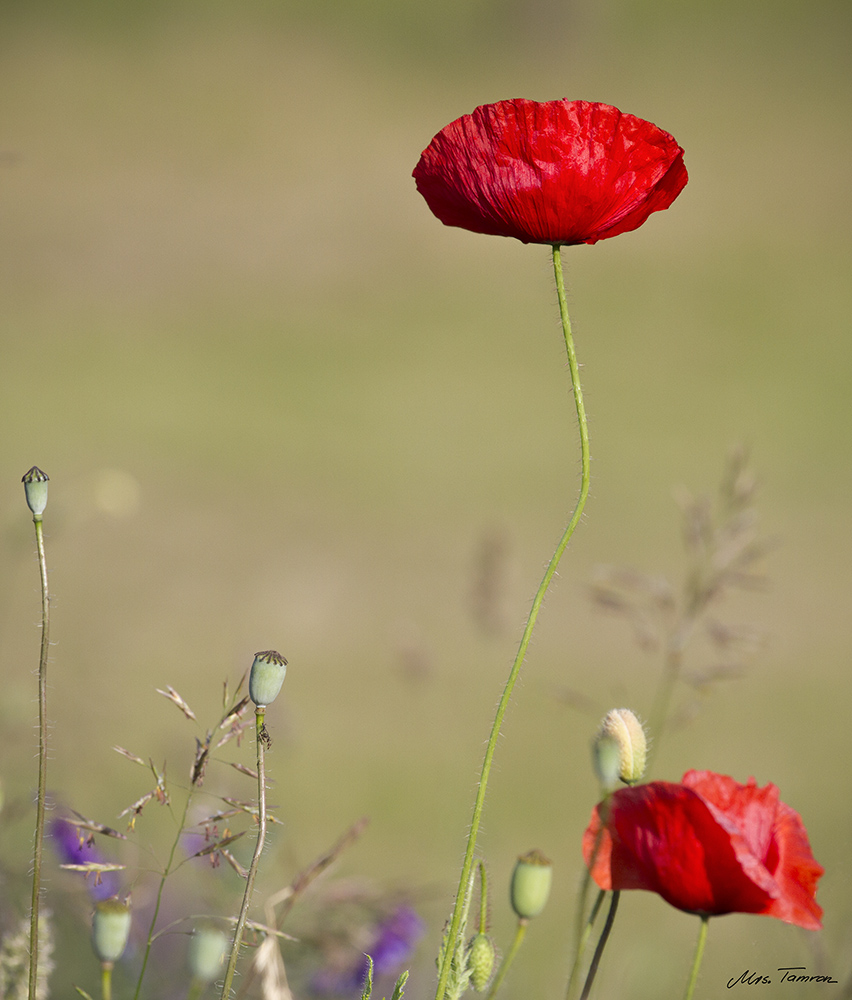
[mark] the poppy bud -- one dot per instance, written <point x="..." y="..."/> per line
<point x="530" y="884"/>
<point x="620" y="733"/>
<point x="35" y="490"/>
<point x="207" y="949"/>
<point x="480" y="961"/>
<point x="267" y="676"/>
<point x="110" y="929"/>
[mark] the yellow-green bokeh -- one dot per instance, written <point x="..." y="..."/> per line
<point x="282" y="407"/>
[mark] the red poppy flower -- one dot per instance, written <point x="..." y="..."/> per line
<point x="558" y="172"/>
<point x="708" y="845"/>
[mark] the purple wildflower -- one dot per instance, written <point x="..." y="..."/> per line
<point x="71" y="850"/>
<point x="393" y="942"/>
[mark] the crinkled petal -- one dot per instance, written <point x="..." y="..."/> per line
<point x="708" y="845"/>
<point x="557" y="172"/>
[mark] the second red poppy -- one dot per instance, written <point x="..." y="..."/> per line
<point x="708" y="845"/>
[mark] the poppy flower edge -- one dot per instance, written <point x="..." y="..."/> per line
<point x="554" y="172"/>
<point x="709" y="845"/>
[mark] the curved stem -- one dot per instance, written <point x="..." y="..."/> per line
<point x="596" y="960"/>
<point x="696" y="962"/>
<point x="467" y="865"/>
<point x="261" y="838"/>
<point x="510" y="957"/>
<point x="42" y="756"/>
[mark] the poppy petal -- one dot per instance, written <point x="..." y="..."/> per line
<point x="708" y="845"/>
<point x="556" y="172"/>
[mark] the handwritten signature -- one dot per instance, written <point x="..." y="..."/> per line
<point x="790" y="974"/>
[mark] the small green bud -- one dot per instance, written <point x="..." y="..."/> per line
<point x="267" y="676"/>
<point x="35" y="490"/>
<point x="110" y="929"/>
<point x="531" y="881"/>
<point x="606" y="759"/>
<point x="207" y="949"/>
<point x="480" y="961"/>
<point x="620" y="734"/>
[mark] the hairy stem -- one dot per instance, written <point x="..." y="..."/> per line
<point x="467" y="864"/>
<point x="42" y="756"/>
<point x="260" y="711"/>
<point x="483" y="898"/>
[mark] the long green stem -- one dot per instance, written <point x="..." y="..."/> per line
<point x="258" y="849"/>
<point x="596" y="959"/>
<point x="696" y="962"/>
<point x="467" y="864"/>
<point x="42" y="756"/>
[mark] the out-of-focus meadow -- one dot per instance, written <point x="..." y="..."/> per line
<point x="281" y="406"/>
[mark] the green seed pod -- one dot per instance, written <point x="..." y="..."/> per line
<point x="207" y="949"/>
<point x="480" y="961"/>
<point x="35" y="490"/>
<point x="621" y="728"/>
<point x="531" y="881"/>
<point x="606" y="760"/>
<point x="110" y="929"/>
<point x="267" y="676"/>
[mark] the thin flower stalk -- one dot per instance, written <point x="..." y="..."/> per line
<point x="585" y="933"/>
<point x="42" y="757"/>
<point x="467" y="864"/>
<point x="483" y="898"/>
<point x="262" y="739"/>
<point x="505" y="965"/>
<point x="583" y="930"/>
<point x="596" y="960"/>
<point x="699" y="954"/>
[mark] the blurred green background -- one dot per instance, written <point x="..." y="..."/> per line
<point x="282" y="407"/>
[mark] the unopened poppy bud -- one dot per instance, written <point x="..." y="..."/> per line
<point x="35" y="490"/>
<point x="110" y="929"/>
<point x="623" y="731"/>
<point x="531" y="884"/>
<point x="207" y="949"/>
<point x="267" y="676"/>
<point x="480" y="961"/>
